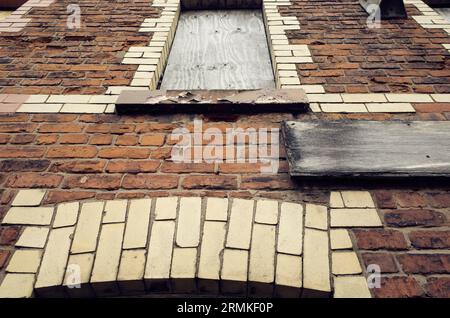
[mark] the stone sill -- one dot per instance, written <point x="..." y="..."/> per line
<point x="212" y="101"/>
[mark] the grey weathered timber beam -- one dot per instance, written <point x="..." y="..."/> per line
<point x="367" y="148"/>
<point x="212" y="101"/>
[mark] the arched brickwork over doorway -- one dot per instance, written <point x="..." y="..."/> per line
<point x="187" y="245"/>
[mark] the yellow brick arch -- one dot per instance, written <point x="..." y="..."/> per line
<point x="182" y="245"/>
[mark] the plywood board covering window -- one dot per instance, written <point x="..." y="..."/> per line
<point x="219" y="49"/>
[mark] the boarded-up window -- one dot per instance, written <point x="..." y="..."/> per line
<point x="219" y="49"/>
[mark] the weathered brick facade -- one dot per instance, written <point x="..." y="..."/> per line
<point x="46" y="57"/>
<point x="400" y="57"/>
<point x="84" y="157"/>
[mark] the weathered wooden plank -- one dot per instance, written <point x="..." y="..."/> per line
<point x="368" y="148"/>
<point x="220" y="49"/>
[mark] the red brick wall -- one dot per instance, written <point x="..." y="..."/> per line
<point x="348" y="57"/>
<point x="46" y="57"/>
<point x="82" y="157"/>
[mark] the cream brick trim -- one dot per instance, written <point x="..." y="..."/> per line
<point x="327" y="103"/>
<point x="16" y="22"/>
<point x="253" y="247"/>
<point x="284" y="55"/>
<point x="152" y="59"/>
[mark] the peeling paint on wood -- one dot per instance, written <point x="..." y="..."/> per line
<point x="211" y="101"/>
